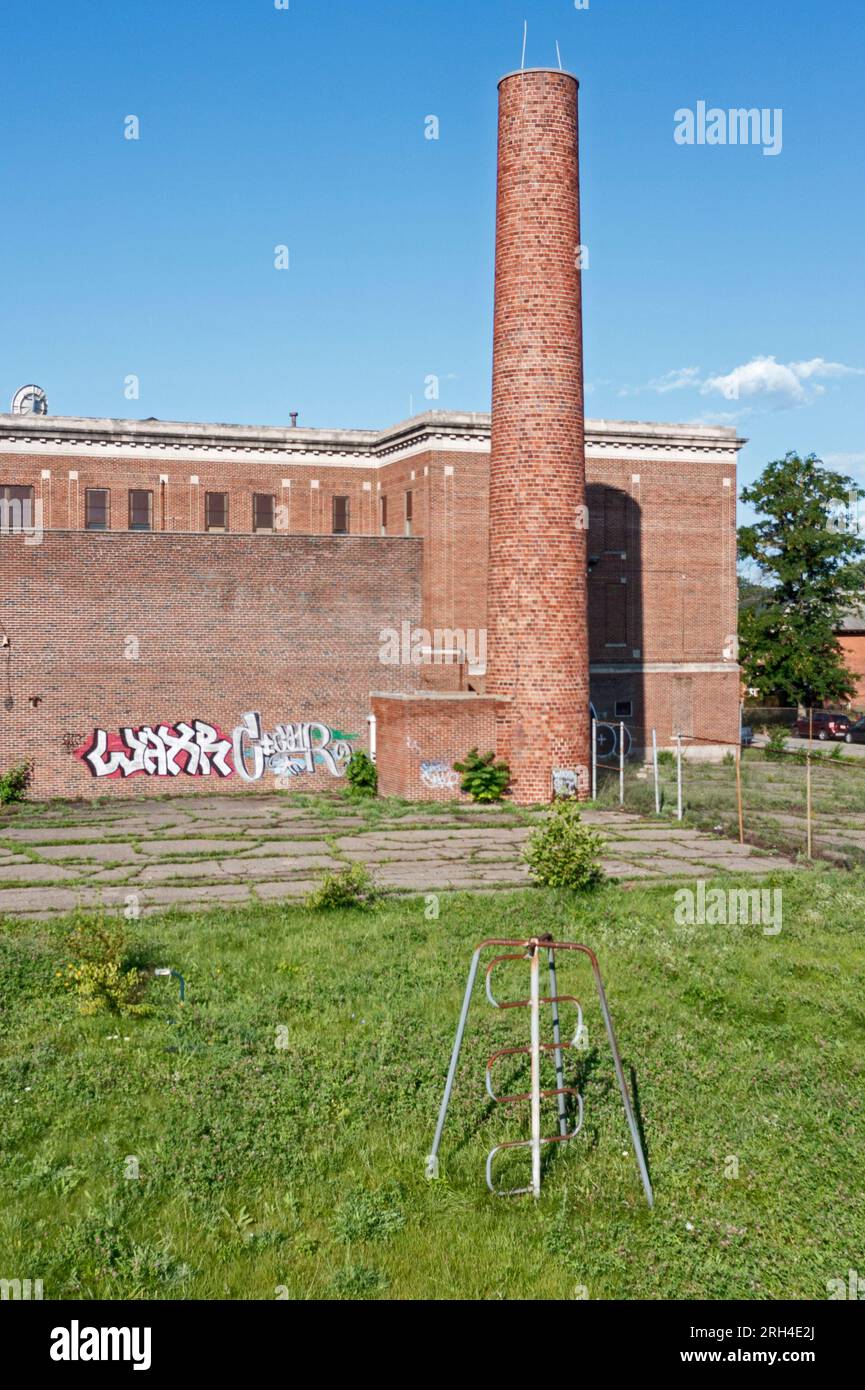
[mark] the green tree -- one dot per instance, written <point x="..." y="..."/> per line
<point x="808" y="553"/>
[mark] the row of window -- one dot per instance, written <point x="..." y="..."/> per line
<point x="97" y="510"/>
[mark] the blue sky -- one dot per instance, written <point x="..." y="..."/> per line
<point x="305" y="127"/>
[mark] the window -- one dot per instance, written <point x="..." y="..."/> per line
<point x="624" y="709"/>
<point x="216" y="511"/>
<point x="16" y="507"/>
<point x="408" y="512"/>
<point x="140" y="509"/>
<point x="262" y="511"/>
<point x="383" y="505"/>
<point x="97" y="509"/>
<point x="340" y="516"/>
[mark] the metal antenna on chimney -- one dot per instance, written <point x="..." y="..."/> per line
<point x="559" y="55"/>
<point x="525" y="36"/>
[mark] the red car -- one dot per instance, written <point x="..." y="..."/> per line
<point x="824" y="724"/>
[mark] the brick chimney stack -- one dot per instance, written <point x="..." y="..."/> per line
<point x="537" y="588"/>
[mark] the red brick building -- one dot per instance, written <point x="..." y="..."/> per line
<point x="851" y="639"/>
<point x="192" y="602"/>
<point x="660" y="560"/>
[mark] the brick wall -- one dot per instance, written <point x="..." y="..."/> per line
<point x="114" y="630"/>
<point x="420" y="738"/>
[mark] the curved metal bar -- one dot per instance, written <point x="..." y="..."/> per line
<point x="526" y="1144"/>
<point x="526" y="1051"/>
<point x="508" y="1191"/>
<point x="495" y="1003"/>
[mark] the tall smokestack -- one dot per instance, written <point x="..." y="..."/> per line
<point x="537" y="592"/>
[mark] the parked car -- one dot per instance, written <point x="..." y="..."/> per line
<point x="856" y="732"/>
<point x="822" y="724"/>
<point x="747" y="735"/>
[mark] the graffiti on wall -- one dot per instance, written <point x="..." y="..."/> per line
<point x="289" y="750"/>
<point x="434" y="773"/>
<point x="439" y="776"/>
<point x="199" y="749"/>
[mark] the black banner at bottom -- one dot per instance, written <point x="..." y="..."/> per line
<point x="155" y="1338"/>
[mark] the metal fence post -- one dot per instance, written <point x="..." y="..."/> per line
<point x="808" y="781"/>
<point x="679" y="774"/>
<point x="594" y="759"/>
<point x="655" y="767"/>
<point x="621" y="764"/>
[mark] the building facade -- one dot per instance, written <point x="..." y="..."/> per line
<point x="278" y="551"/>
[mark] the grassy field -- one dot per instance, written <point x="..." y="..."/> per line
<point x="773" y="796"/>
<point x="267" y="1169"/>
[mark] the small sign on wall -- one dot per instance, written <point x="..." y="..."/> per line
<point x="565" y="781"/>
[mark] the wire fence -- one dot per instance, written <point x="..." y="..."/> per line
<point x="798" y="797"/>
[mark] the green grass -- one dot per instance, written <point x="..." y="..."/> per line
<point x="300" y="1168"/>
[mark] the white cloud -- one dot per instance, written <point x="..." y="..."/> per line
<point x="781" y="384"/>
<point x="676" y="380"/>
<point x="856" y="461"/>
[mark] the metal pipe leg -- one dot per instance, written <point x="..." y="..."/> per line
<point x="557" y="1038"/>
<point x="623" y="1087"/>
<point x="536" y="1067"/>
<point x="432" y="1159"/>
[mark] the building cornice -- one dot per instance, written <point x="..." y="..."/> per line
<point x="433" y="432"/>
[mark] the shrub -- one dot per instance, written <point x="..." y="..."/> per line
<point x="777" y="742"/>
<point x="562" y="852"/>
<point x="349" y="887"/>
<point x="14" y="783"/>
<point x="100" y="975"/>
<point x="361" y="775"/>
<point x="482" y="777"/>
<point x="666" y="758"/>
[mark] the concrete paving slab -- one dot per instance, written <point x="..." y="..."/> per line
<point x="95" y="853"/>
<point x="156" y="848"/>
<point x="36" y="873"/>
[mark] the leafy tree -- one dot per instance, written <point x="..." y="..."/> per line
<point x="809" y="557"/>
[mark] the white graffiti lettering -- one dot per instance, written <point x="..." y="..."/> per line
<point x="438" y="775"/>
<point x="291" y="749"/>
<point x="195" y="749"/>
